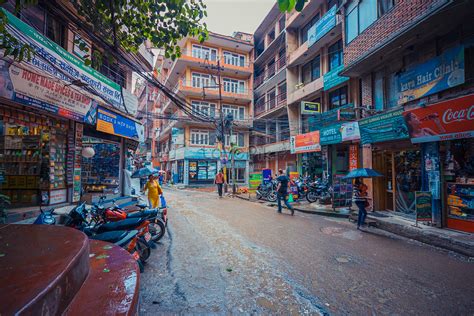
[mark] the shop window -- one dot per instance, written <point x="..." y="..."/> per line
<point x="408" y="180"/>
<point x="312" y="70"/>
<point x="305" y="29"/>
<point x="338" y="98"/>
<point x="335" y="55"/>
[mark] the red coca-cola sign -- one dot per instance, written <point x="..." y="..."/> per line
<point x="445" y="120"/>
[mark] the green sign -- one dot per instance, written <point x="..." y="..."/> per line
<point x="330" y="135"/>
<point x="383" y="127"/>
<point x="423" y="206"/>
<point x="332" y="78"/>
<point x="255" y="179"/>
<point x="342" y="113"/>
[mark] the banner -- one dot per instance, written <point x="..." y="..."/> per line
<point x="266" y="175"/>
<point x="46" y="93"/>
<point x="384" y="127"/>
<point x="423" y="206"/>
<point x="353" y="157"/>
<point x="116" y="124"/>
<point x="437" y="74"/>
<point x="452" y="119"/>
<point x="332" y="78"/>
<point x="330" y="135"/>
<point x="350" y="131"/>
<point x="322" y="27"/>
<point x="305" y="143"/>
<point x="255" y="179"/>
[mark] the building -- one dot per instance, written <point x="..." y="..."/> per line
<point x="65" y="127"/>
<point x="188" y="137"/>
<point x="414" y="61"/>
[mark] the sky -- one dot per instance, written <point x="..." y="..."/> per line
<point x="227" y="16"/>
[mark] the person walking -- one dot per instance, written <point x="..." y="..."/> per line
<point x="282" y="191"/>
<point x="360" y="199"/>
<point x="219" y="181"/>
<point x="154" y="191"/>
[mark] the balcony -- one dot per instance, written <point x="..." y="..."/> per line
<point x="237" y="95"/>
<point x="270" y="50"/>
<point x="271" y="76"/>
<point x="306" y="92"/>
<point x="264" y="108"/>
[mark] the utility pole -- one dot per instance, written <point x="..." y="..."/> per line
<point x="233" y="161"/>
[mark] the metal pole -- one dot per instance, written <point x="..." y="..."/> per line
<point x="219" y="84"/>
<point x="233" y="164"/>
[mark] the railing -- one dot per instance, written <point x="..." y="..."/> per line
<point x="214" y="58"/>
<point x="270" y="71"/>
<point x="262" y="106"/>
<point x="281" y="62"/>
<point x="210" y="87"/>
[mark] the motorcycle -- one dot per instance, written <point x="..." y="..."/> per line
<point x="319" y="190"/>
<point x="267" y="191"/>
<point x="302" y="186"/>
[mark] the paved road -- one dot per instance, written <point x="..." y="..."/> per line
<point x="232" y="256"/>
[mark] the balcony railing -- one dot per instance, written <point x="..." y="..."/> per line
<point x="210" y="87"/>
<point x="214" y="58"/>
<point x="270" y="71"/>
<point x="262" y="106"/>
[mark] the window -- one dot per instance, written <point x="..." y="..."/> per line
<point x="305" y="29"/>
<point x="203" y="52"/>
<point x="338" y="98"/>
<point x="234" y="86"/>
<point x="311" y="71"/>
<point x="384" y="6"/>
<point x="208" y="109"/>
<point x="271" y="35"/>
<point x="35" y="16"/>
<point x="238" y="112"/>
<point x="271" y="99"/>
<point x="203" y="81"/>
<point x="332" y="3"/>
<point x="335" y="55"/>
<point x="281" y="23"/>
<point x="234" y="59"/>
<point x="55" y="30"/>
<point x="201" y="137"/>
<point x="240" y="140"/>
<point x="361" y="14"/>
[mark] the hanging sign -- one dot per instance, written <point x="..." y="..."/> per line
<point x="384" y="127"/>
<point x="423" y="206"/>
<point x="437" y="74"/>
<point x="452" y="119"/>
<point x="310" y="108"/>
<point x="177" y="136"/>
<point x="305" y="143"/>
<point x="331" y="135"/>
<point x="116" y="124"/>
<point x="353" y="157"/>
<point x="332" y="78"/>
<point x="350" y="131"/>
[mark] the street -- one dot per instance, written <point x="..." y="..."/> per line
<point x="228" y="255"/>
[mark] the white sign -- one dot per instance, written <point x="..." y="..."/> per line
<point x="350" y="131"/>
<point x="58" y="196"/>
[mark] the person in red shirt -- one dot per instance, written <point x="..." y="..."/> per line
<point x="219" y="181"/>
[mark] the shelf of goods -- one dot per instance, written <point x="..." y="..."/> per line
<point x="460" y="206"/>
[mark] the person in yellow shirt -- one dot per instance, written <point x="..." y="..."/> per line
<point x="154" y="191"/>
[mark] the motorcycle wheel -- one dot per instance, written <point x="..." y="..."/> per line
<point x="143" y="250"/>
<point x="157" y="230"/>
<point x="272" y="197"/>
<point x="259" y="196"/>
<point x="311" y="196"/>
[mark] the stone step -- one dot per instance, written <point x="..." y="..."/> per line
<point x="41" y="268"/>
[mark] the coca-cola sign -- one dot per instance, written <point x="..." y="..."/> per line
<point x="451" y="119"/>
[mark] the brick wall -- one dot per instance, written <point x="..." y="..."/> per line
<point x="403" y="13"/>
<point x="366" y="90"/>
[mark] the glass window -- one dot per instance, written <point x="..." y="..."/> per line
<point x="338" y="98"/>
<point x="35" y="16"/>
<point x="234" y="86"/>
<point x="200" y="137"/>
<point x="208" y="109"/>
<point x="305" y="29"/>
<point x="234" y="59"/>
<point x="332" y="3"/>
<point x="281" y="23"/>
<point x="236" y="111"/>
<point x="203" y="52"/>
<point x="352" y="24"/>
<point x="312" y="70"/>
<point x="384" y="6"/>
<point x="335" y="55"/>
<point x="367" y="14"/>
<point x="361" y="14"/>
<point x="203" y="81"/>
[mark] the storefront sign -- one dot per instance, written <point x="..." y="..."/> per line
<point x="342" y="113"/>
<point x="310" y="108"/>
<point x="266" y="175"/>
<point x="255" y="179"/>
<point x="58" y="196"/>
<point x="332" y="78"/>
<point x="206" y="154"/>
<point x="305" y="143"/>
<point x="384" y="127"/>
<point x="353" y="157"/>
<point x="446" y="120"/>
<point x="350" y="131"/>
<point x="330" y="135"/>
<point x="177" y="136"/>
<point x="116" y="124"/>
<point x="46" y="93"/>
<point x="322" y="27"/>
<point x="423" y="206"/>
<point x="52" y="57"/>
<point x="437" y="74"/>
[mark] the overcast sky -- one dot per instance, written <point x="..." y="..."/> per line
<point x="228" y="16"/>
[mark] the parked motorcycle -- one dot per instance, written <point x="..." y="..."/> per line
<point x="319" y="190"/>
<point x="267" y="191"/>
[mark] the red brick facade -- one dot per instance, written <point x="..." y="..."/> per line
<point x="366" y="90"/>
<point x="404" y="13"/>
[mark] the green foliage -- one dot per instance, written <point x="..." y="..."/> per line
<point x="289" y="5"/>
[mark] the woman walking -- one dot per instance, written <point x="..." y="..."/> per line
<point x="154" y="191"/>
<point x="360" y="199"/>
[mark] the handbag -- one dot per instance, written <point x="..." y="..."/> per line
<point x="162" y="201"/>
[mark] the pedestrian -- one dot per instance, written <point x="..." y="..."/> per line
<point x="219" y="181"/>
<point x="360" y="199"/>
<point x="154" y="191"/>
<point x="282" y="191"/>
<point x="160" y="178"/>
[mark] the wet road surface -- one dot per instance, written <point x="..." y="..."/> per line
<point x="230" y="256"/>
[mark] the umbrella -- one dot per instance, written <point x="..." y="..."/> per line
<point x="144" y="172"/>
<point x="363" y="173"/>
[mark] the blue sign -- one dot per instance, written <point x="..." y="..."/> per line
<point x="342" y="113"/>
<point x="437" y="74"/>
<point x="322" y="27"/>
<point x="211" y="154"/>
<point x="116" y="124"/>
<point x="267" y="175"/>
<point x="384" y="127"/>
<point x="332" y="78"/>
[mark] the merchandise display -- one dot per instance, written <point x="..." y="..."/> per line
<point x="461" y="201"/>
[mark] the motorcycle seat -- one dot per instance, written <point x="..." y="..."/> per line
<point x="145" y="213"/>
<point x="142" y="205"/>
<point x="125" y="224"/>
<point x="112" y="236"/>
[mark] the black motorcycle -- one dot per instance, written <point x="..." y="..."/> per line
<point x="267" y="191"/>
<point x="319" y="190"/>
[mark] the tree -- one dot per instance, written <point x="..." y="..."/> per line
<point x="289" y="5"/>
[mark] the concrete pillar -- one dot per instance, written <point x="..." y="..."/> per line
<point x="367" y="163"/>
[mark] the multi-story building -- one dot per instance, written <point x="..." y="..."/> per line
<point x="214" y="79"/>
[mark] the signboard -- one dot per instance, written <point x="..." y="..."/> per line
<point x="305" y="143"/>
<point x="46" y="93"/>
<point x="423" y="206"/>
<point x="332" y="78"/>
<point x="58" y="196"/>
<point x="383" y="127"/>
<point x="310" y="108"/>
<point x="331" y="135"/>
<point x="437" y="74"/>
<point x="350" y="131"/>
<point x="255" y="179"/>
<point x="323" y="26"/>
<point x="76" y="49"/>
<point x="266" y="175"/>
<point x="177" y="136"/>
<point x="116" y="124"/>
<point x="342" y="113"/>
<point x="452" y="119"/>
<point x="49" y="53"/>
<point x="353" y="157"/>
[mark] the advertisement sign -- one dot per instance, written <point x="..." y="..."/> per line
<point x="115" y="124"/>
<point x="266" y="175"/>
<point x="305" y="143"/>
<point x="177" y="136"/>
<point x="437" y="74"/>
<point x="46" y="93"/>
<point x="332" y="78"/>
<point x="310" y="108"/>
<point x="322" y="27"/>
<point x="452" y="119"/>
<point x="76" y="49"/>
<point x="383" y="127"/>
<point x="330" y="135"/>
<point x="350" y="131"/>
<point x="255" y="179"/>
<point x="423" y="206"/>
<point x="353" y="157"/>
<point x="53" y="54"/>
<point x="58" y="196"/>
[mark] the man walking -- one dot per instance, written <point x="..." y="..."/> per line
<point x="282" y="191"/>
<point x="219" y="181"/>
